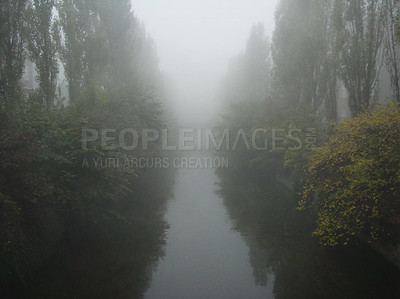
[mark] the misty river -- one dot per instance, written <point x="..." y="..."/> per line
<point x="295" y="192"/>
<point x="229" y="233"/>
<point x="236" y="234"/>
<point x="204" y="258"/>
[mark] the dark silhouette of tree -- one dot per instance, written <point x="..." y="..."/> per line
<point x="42" y="47"/>
<point x="12" y="51"/>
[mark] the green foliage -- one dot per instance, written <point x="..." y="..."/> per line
<point x="354" y="180"/>
<point x="48" y="199"/>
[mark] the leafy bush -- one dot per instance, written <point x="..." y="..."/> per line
<point x="354" y="179"/>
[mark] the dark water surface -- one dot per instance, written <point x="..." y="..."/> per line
<point x="264" y="212"/>
<point x="237" y="235"/>
<point x="232" y="234"/>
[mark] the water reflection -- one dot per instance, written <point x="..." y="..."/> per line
<point x="269" y="253"/>
<point x="279" y="240"/>
<point x="109" y="261"/>
<point x="204" y="257"/>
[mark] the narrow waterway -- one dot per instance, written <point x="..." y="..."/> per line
<point x="235" y="233"/>
<point x="204" y="257"/>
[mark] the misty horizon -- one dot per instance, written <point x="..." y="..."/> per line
<point x="195" y="42"/>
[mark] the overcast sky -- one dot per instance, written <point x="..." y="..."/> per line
<point x="196" y="40"/>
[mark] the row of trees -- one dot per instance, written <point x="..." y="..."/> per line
<point x="328" y="59"/>
<point x="320" y="45"/>
<point x="97" y="43"/>
<point x="48" y="200"/>
<point x="321" y="53"/>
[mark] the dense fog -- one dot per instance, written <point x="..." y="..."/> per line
<point x="196" y="40"/>
<point x="199" y="149"/>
